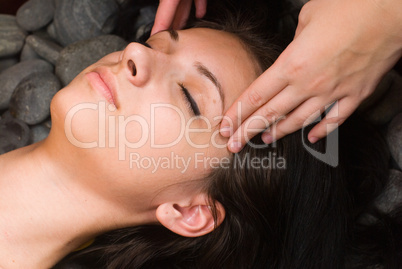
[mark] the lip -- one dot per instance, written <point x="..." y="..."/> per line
<point x="101" y="83"/>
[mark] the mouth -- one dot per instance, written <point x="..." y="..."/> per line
<point x="101" y="83"/>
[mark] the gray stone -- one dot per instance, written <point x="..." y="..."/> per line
<point x="48" y="124"/>
<point x="28" y="53"/>
<point x="47" y="49"/>
<point x="394" y="139"/>
<point x="82" y="19"/>
<point x="11" y="77"/>
<point x="145" y="21"/>
<point x="51" y="30"/>
<point x="31" y="100"/>
<point x="42" y="33"/>
<point x="38" y="133"/>
<point x="35" y="14"/>
<point x="390" y="104"/>
<point x="7" y="62"/>
<point x="391" y="197"/>
<point x="7" y="115"/>
<point x="76" y="57"/>
<point x="14" y="134"/>
<point x="11" y="36"/>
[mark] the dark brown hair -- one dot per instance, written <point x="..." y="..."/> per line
<point x="303" y="216"/>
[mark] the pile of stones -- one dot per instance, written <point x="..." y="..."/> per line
<point x="42" y="49"/>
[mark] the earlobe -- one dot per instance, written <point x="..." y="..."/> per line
<point x="191" y="220"/>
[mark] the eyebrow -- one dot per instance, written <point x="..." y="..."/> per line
<point x="202" y="69"/>
<point x="174" y="35"/>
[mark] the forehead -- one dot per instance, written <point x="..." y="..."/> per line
<point x="222" y="53"/>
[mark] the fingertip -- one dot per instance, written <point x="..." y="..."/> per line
<point x="313" y="139"/>
<point x="234" y="146"/>
<point x="267" y="138"/>
<point x="201" y="8"/>
<point x="225" y="131"/>
<point x="199" y="13"/>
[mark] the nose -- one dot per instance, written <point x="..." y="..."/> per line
<point x="136" y="63"/>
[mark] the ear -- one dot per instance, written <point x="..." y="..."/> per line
<point x="189" y="218"/>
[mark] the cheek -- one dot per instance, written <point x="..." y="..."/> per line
<point x="149" y="129"/>
<point x="113" y="57"/>
<point x="167" y="125"/>
<point x="204" y="133"/>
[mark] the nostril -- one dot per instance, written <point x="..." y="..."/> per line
<point x="132" y="67"/>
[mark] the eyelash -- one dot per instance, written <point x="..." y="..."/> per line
<point x="192" y="105"/>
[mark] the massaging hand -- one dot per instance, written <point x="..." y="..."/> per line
<point x="340" y="52"/>
<point x="174" y="13"/>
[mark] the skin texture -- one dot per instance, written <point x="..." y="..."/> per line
<point x="340" y="52"/>
<point x="57" y="194"/>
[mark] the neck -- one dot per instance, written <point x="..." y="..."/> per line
<point x="44" y="212"/>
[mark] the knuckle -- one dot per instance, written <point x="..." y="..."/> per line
<point x="305" y="12"/>
<point x="271" y="114"/>
<point x="299" y="121"/>
<point x="320" y="83"/>
<point x="255" y="99"/>
<point x="296" y="69"/>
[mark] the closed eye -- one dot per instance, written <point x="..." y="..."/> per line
<point x="192" y="105"/>
<point x="190" y="101"/>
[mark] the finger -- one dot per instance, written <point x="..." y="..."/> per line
<point x="302" y="116"/>
<point x="182" y="14"/>
<point x="200" y="8"/>
<point x="164" y="15"/>
<point x="251" y="127"/>
<point x="271" y="112"/>
<point x="257" y="94"/>
<point x="341" y="110"/>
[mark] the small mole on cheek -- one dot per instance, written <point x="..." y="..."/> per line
<point x="214" y="101"/>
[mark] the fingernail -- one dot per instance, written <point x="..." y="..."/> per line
<point x="267" y="138"/>
<point x="235" y="146"/>
<point x="313" y="139"/>
<point x="225" y="131"/>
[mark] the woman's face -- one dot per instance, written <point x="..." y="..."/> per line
<point x="151" y="113"/>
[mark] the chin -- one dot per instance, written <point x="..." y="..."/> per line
<point x="60" y="111"/>
<point x="56" y="106"/>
